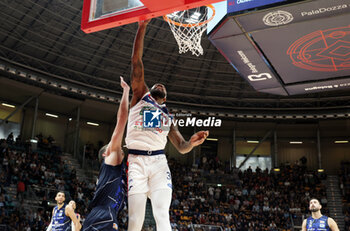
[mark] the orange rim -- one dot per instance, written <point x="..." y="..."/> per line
<point x="192" y="24"/>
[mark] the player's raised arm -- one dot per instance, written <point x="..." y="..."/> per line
<point x="303" y="226"/>
<point x="332" y="224"/>
<point x="114" y="153"/>
<point x="138" y="85"/>
<point x="181" y="144"/>
<point x="70" y="213"/>
<point x="49" y="228"/>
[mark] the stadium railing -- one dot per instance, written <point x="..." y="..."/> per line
<point x="200" y="227"/>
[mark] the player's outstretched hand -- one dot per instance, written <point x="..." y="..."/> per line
<point x="198" y="138"/>
<point x="123" y="84"/>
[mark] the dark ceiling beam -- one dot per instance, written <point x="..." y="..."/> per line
<point x="86" y="60"/>
<point x="59" y="38"/>
<point x="4" y="9"/>
<point x="107" y="51"/>
<point x="206" y="73"/>
<point x="33" y="21"/>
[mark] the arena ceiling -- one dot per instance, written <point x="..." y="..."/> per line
<point x="44" y="37"/>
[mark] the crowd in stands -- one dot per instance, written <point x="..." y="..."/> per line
<point x="91" y="151"/>
<point x="22" y="168"/>
<point x="244" y="200"/>
<point x="344" y="180"/>
<point x="248" y="200"/>
<point x="91" y="155"/>
<point x="38" y="175"/>
<point x="47" y="143"/>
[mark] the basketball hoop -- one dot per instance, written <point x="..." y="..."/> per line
<point x="188" y="26"/>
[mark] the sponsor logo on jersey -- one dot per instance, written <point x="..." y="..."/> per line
<point x="152" y="118"/>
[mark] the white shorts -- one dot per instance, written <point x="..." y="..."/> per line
<point x="147" y="174"/>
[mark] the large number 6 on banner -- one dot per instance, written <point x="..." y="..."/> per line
<point x="259" y="77"/>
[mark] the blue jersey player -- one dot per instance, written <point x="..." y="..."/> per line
<point x="317" y="221"/>
<point x="110" y="194"/>
<point x="63" y="215"/>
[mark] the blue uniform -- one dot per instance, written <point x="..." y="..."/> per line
<point x="61" y="222"/>
<point x="109" y="199"/>
<point x="320" y="224"/>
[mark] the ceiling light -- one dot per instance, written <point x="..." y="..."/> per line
<point x="295" y="142"/>
<point x="8" y="105"/>
<point x="252" y="141"/>
<point x="341" y="141"/>
<point x="212" y="139"/>
<point x="93" y="124"/>
<point x="51" y="115"/>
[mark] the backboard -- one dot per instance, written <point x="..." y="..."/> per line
<point x="104" y="14"/>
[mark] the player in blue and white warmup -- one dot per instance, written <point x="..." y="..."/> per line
<point x="317" y="221"/>
<point x="63" y="216"/>
<point x="148" y="172"/>
<point x="110" y="194"/>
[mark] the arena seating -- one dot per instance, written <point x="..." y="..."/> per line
<point x="238" y="200"/>
<point x="344" y="180"/>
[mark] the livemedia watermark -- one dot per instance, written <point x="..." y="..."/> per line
<point x="156" y="119"/>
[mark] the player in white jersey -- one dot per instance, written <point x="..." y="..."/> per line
<point x="148" y="173"/>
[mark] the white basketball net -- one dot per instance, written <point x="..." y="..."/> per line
<point x="187" y="27"/>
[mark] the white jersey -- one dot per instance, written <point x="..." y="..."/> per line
<point x="139" y="136"/>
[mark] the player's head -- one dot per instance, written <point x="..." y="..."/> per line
<point x="315" y="205"/>
<point x="60" y="197"/>
<point x="102" y="153"/>
<point x="158" y="92"/>
<point x="73" y="204"/>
